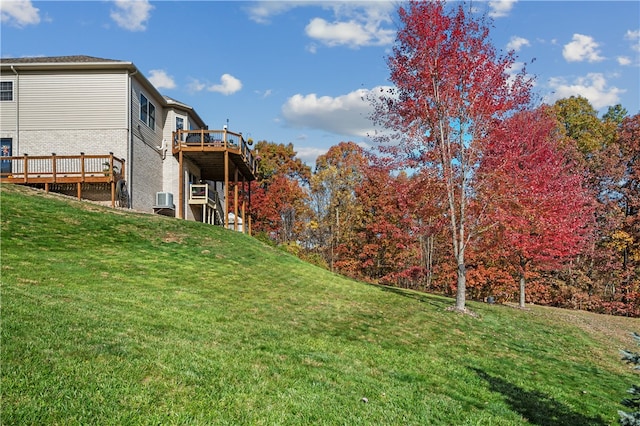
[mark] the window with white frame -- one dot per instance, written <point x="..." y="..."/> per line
<point x="147" y="112"/>
<point x="179" y="123"/>
<point x="6" y="90"/>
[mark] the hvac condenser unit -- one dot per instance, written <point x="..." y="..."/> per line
<point x="164" y="200"/>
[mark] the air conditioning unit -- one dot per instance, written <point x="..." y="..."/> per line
<point x="164" y="200"/>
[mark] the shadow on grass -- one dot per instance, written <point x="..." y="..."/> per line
<point x="537" y="407"/>
<point x="415" y="295"/>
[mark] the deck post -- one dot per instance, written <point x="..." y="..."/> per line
<point x="82" y="167"/>
<point x="181" y="186"/>
<point x="54" y="166"/>
<point x="226" y="185"/>
<point x="113" y="194"/>
<point x="244" y="203"/>
<point x="249" y="202"/>
<point x="79" y="191"/>
<point x="235" y="200"/>
<point x="25" y="168"/>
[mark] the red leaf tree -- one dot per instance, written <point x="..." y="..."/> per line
<point x="533" y="195"/>
<point x="278" y="198"/>
<point x="450" y="84"/>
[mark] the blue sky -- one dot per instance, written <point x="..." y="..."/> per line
<point x="296" y="71"/>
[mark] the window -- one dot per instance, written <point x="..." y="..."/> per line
<point x="6" y="90"/>
<point x="147" y="112"/>
<point x="152" y="116"/>
<point x="144" y="108"/>
<point x="179" y="123"/>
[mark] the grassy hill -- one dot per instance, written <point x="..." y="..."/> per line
<point x="110" y="317"/>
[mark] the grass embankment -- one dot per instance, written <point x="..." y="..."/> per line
<point x="119" y="318"/>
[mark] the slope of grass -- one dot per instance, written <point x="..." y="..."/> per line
<point x="119" y="318"/>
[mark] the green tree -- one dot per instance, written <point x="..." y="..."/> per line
<point x="581" y="124"/>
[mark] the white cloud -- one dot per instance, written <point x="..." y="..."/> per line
<point x="516" y="43"/>
<point x="264" y="94"/>
<point x="582" y="48"/>
<point x="132" y="15"/>
<point x="19" y="13"/>
<point x="624" y="60"/>
<point x="161" y="80"/>
<point x="195" y="85"/>
<point x="354" y="24"/>
<point x="228" y="85"/>
<point x="343" y="115"/>
<point x="500" y="8"/>
<point x="338" y="33"/>
<point x="593" y="87"/>
<point x="262" y="11"/>
<point x="309" y="154"/>
<point x="634" y="36"/>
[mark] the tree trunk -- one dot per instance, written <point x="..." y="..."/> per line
<point x="462" y="286"/>
<point x="522" y="283"/>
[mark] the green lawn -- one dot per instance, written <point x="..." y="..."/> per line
<point x="116" y="318"/>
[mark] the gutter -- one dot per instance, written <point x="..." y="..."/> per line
<point x="17" y="148"/>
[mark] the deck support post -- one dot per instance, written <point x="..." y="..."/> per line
<point x="235" y="200"/>
<point x="244" y="205"/>
<point x="25" y="167"/>
<point x="79" y="186"/>
<point x="180" y="186"/>
<point x="226" y="187"/>
<point x="113" y="193"/>
<point x="54" y="166"/>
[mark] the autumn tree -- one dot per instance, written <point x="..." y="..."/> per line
<point x="278" y="195"/>
<point x="607" y="148"/>
<point x="628" y="143"/>
<point x="536" y="196"/>
<point x="386" y="248"/>
<point x="450" y="84"/>
<point x="334" y="206"/>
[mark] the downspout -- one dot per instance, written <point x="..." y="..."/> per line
<point x="130" y="144"/>
<point x="17" y="148"/>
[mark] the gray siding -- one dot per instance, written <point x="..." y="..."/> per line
<point x="8" y="118"/>
<point x="73" y="100"/>
<point x="146" y="161"/>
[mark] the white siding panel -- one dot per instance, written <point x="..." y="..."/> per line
<point x="8" y="109"/>
<point x="89" y="100"/>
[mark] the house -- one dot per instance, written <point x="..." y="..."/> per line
<point x="98" y="127"/>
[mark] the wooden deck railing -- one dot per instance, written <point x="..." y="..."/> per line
<point x="61" y="169"/>
<point x="214" y="139"/>
<point x="66" y="169"/>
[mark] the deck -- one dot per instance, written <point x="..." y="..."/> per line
<point x="207" y="150"/>
<point x="63" y="169"/>
<point x="221" y="156"/>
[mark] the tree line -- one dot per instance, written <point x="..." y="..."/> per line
<point x="472" y="190"/>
